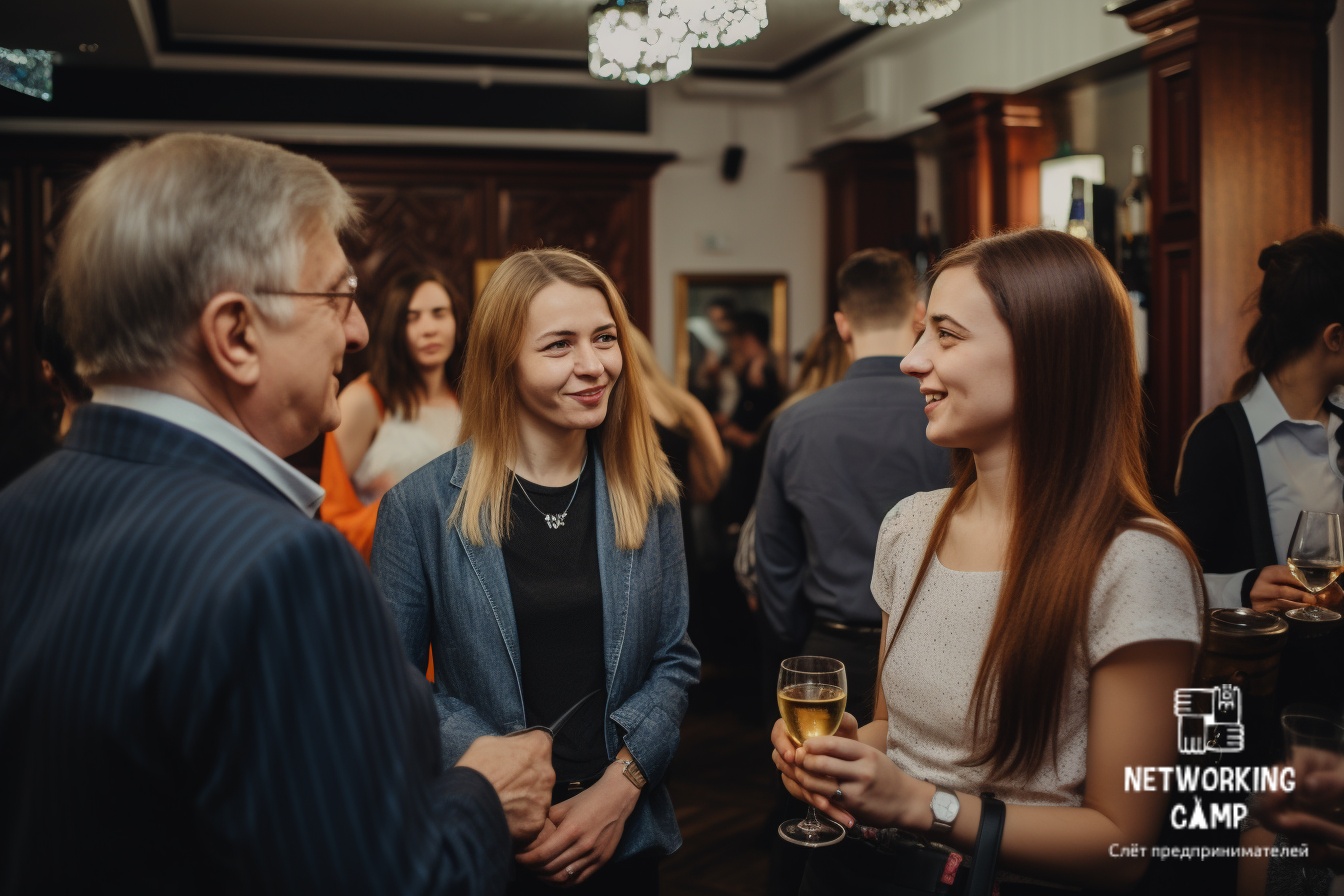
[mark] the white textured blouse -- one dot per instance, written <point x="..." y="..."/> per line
<point x="402" y="446"/>
<point x="1146" y="590"/>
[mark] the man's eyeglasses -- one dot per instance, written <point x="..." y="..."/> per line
<point x="342" y="301"/>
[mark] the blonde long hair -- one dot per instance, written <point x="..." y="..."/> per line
<point x="637" y="472"/>
<point x="660" y="387"/>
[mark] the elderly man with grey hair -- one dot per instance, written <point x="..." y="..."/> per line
<point x="200" y="688"/>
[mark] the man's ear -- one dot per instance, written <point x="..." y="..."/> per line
<point x="229" y="334"/>
<point x="1334" y="337"/>
<point x="842" y="327"/>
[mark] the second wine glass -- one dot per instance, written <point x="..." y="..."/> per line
<point x="812" y="693"/>
<point x="1315" y="558"/>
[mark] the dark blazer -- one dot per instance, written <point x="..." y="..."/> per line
<point x="1220" y="500"/>
<point x="201" y="690"/>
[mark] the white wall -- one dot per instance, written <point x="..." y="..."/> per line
<point x="769" y="221"/>
<point x="1001" y="45"/>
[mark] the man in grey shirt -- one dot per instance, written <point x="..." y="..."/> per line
<point x="836" y="462"/>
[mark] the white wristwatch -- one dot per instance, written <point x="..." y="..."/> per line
<point x="945" y="806"/>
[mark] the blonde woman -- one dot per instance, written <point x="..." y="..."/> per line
<point x="685" y="429"/>
<point x="543" y="560"/>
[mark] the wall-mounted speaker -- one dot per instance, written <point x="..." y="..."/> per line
<point x="732" y="163"/>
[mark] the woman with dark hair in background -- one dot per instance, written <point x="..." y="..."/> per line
<point x="404" y="412"/>
<point x="1037" y="616"/>
<point x="1250" y="465"/>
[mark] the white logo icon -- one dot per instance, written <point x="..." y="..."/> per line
<point x="1210" y="720"/>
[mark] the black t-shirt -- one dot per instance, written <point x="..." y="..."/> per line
<point x="557" y="602"/>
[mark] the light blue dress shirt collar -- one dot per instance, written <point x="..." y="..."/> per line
<point x="1264" y="411"/>
<point x="302" y="491"/>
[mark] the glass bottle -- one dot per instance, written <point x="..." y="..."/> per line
<point x="1078" y="224"/>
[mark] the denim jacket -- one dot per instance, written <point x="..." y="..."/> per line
<point x="446" y="591"/>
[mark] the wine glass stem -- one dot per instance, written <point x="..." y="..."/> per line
<point x="810" y="822"/>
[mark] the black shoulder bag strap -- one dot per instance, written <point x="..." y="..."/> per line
<point x="987" y="840"/>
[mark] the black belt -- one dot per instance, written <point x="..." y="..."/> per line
<point x="846" y="628"/>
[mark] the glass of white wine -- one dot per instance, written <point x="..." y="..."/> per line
<point x="1315" y="558"/>
<point x="811" y="696"/>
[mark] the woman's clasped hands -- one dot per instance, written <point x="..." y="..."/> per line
<point x="849" y="780"/>
<point x="580" y="834"/>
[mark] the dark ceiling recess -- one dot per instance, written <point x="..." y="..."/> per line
<point x="169" y="42"/>
<point x="159" y="95"/>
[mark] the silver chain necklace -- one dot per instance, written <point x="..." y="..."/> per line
<point x="556" y="520"/>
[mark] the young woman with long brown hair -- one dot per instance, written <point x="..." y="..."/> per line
<point x="404" y="412"/>
<point x="1039" y="614"/>
<point x="543" y="560"/>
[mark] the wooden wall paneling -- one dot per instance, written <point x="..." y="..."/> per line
<point x="435" y="225"/>
<point x="1174" y="324"/>
<point x="16" y="352"/>
<point x="993" y="146"/>
<point x="870" y="200"/>
<point x="448" y="208"/>
<point x="601" y="219"/>
<point x="1236" y="93"/>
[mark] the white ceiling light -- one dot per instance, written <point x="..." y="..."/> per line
<point x="897" y="12"/>
<point x="27" y="71"/>
<point x="716" y="23"/>
<point x="626" y="43"/>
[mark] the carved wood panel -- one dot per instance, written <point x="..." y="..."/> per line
<point x="1175" y="358"/>
<point x="11" y="340"/>
<point x="593" y="220"/>
<point x="445" y="208"/>
<point x="438" y="226"/>
<point x="1176" y="142"/>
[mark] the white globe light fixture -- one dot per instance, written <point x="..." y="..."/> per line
<point x="897" y="12"/>
<point x="627" y="43"/>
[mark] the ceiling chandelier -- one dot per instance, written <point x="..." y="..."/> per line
<point x="627" y="43"/>
<point x="716" y="23"/>
<point x="897" y="12"/>
<point x="27" y="71"/>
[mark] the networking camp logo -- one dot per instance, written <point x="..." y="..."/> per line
<point x="1207" y="797"/>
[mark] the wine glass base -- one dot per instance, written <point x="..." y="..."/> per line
<point x="828" y="833"/>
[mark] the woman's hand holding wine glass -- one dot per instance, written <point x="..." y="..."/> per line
<point x="811" y="692"/>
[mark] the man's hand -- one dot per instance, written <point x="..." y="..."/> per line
<point x="519" y="768"/>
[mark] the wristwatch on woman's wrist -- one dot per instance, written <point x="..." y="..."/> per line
<point x="633" y="773"/>
<point x="945" y="806"/>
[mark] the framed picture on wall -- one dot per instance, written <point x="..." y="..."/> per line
<point x="701" y="326"/>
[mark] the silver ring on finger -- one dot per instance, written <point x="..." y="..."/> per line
<point x="838" y="795"/>
<point x="571" y="871"/>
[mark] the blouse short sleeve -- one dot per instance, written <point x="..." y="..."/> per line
<point x="901" y="541"/>
<point x="1146" y="590"/>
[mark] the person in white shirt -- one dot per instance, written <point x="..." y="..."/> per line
<point x="1249" y="466"/>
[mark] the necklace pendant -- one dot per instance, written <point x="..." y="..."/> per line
<point x="555" y="520"/>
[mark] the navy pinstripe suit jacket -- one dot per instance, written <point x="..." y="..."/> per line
<point x="201" y="690"/>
